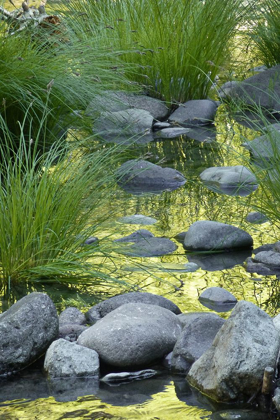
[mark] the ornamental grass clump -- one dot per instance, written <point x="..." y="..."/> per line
<point x="178" y="46"/>
<point x="49" y="205"/>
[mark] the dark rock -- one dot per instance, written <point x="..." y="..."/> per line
<point x="27" y="329"/>
<point x="64" y="359"/>
<point x="226" y="90"/>
<point x="194" y="112"/>
<point x="233" y="366"/>
<point x="141" y="176"/>
<point x="91" y="240"/>
<point x="72" y="315"/>
<point x="132" y="335"/>
<point x="206" y="235"/>
<point x="180" y="237"/>
<point x="103" y="308"/>
<point x="196" y="337"/>
<point x="266" y="247"/>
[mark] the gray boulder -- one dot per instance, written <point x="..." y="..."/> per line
<point x="133" y="334"/>
<point x="218" y="299"/>
<point x="72" y="315"/>
<point x="230" y="180"/>
<point x="103" y="308"/>
<point x="138" y="219"/>
<point x="262" y="89"/>
<point x="196" y="337"/>
<point x="71" y="332"/>
<point x="194" y="112"/>
<point x="27" y="329"/>
<point x="64" y="359"/>
<point x="119" y="101"/>
<point x="233" y="366"/>
<point x="137" y="176"/>
<point x="206" y="235"/>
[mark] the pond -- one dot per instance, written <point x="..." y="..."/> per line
<point x="29" y="396"/>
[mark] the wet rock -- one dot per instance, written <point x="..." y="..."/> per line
<point x="64" y="359"/>
<point x="136" y="236"/>
<point x="262" y="89"/>
<point x="136" y="176"/>
<point x="118" y="101"/>
<point x="220" y="261"/>
<point x="260" y="268"/>
<point x="138" y="219"/>
<point x="150" y="247"/>
<point x="218" y="299"/>
<point x="72" y="315"/>
<point x="269" y="258"/>
<point x="206" y="235"/>
<point x="27" y="329"/>
<point x="233" y="366"/>
<point x="129" y="122"/>
<point x="256" y="217"/>
<point x="230" y="180"/>
<point x="171" y="133"/>
<point x="133" y="334"/>
<point x="194" y="112"/>
<point x="126" y="377"/>
<point x="71" y="332"/>
<point x="196" y="337"/>
<point x="103" y="308"/>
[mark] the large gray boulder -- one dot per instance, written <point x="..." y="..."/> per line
<point x="233" y="366"/>
<point x="137" y="176"/>
<point x="133" y="334"/>
<point x="194" y="112"/>
<point x="65" y="359"/>
<point x="103" y="308"/>
<point x="262" y="89"/>
<point x="206" y="235"/>
<point x="230" y="180"/>
<point x="112" y="101"/>
<point x="196" y="337"/>
<point x="27" y="329"/>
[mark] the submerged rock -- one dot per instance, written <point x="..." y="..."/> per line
<point x="194" y="112"/>
<point x="27" y="329"/>
<point x="233" y="366"/>
<point x="133" y="334"/>
<point x="207" y="235"/>
<point x="103" y="308"/>
<point x="138" y="219"/>
<point x="137" y="176"/>
<point x="230" y="180"/>
<point x="65" y="359"/>
<point x="150" y="247"/>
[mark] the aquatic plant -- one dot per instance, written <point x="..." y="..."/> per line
<point x="49" y="205"/>
<point x="179" y="46"/>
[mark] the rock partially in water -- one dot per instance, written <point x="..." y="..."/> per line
<point x="207" y="235"/>
<point x="269" y="258"/>
<point x="126" y="377"/>
<point x="218" y="299"/>
<point x="65" y="359"/>
<point x="233" y="366"/>
<point x="194" y="112"/>
<point x="150" y="247"/>
<point x="132" y="335"/>
<point x="136" y="236"/>
<point x="264" y="149"/>
<point x="27" y="329"/>
<point x="138" y="219"/>
<point x="256" y="217"/>
<point x="219" y="261"/>
<point x="103" y="308"/>
<point x="230" y="180"/>
<point x="138" y="176"/>
<point x="196" y="337"/>
<point x="260" y="268"/>
<point x="72" y="315"/>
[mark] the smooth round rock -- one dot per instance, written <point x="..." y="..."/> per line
<point x="72" y="315"/>
<point x="218" y="299"/>
<point x="194" y="112"/>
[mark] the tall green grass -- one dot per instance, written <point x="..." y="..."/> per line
<point x="49" y="205"/>
<point x="178" y="46"/>
<point x="265" y="32"/>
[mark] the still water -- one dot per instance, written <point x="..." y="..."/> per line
<point x="30" y="396"/>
